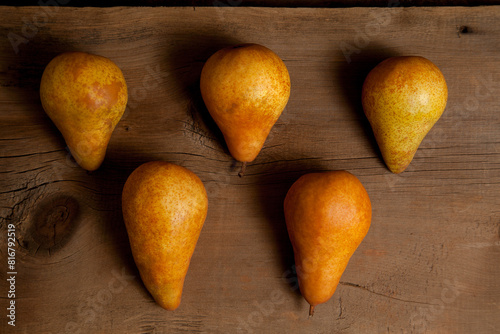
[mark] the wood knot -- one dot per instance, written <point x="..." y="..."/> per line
<point x="53" y="223"/>
<point x="463" y="30"/>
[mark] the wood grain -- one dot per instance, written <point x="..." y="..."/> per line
<point x="430" y="262"/>
<point x="254" y="3"/>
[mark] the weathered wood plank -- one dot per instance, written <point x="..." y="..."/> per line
<point x="430" y="261"/>
<point x="255" y="3"/>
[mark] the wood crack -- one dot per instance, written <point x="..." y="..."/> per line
<point x="341" y="310"/>
<point x="198" y="155"/>
<point x="30" y="154"/>
<point x="354" y="285"/>
<point x="314" y="158"/>
<point x="28" y="170"/>
<point x="13" y="209"/>
<point x="14" y="190"/>
<point x="32" y="188"/>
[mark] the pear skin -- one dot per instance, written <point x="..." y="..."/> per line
<point x="245" y="88"/>
<point x="403" y="97"/>
<point x="164" y="209"/>
<point x="85" y="96"/>
<point x="327" y="216"/>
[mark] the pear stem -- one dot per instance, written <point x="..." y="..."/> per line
<point x="243" y="169"/>
<point x="311" y="311"/>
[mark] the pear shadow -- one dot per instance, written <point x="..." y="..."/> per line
<point x="25" y="68"/>
<point x="107" y="182"/>
<point x="24" y="74"/>
<point x="272" y="189"/>
<point x="350" y="77"/>
<point x="187" y="62"/>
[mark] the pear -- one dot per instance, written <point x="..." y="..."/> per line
<point x="164" y="208"/>
<point x="327" y="216"/>
<point x="245" y="88"/>
<point x="403" y="97"/>
<point x="85" y="96"/>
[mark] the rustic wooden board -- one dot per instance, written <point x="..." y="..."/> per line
<point x="430" y="262"/>
<point x="254" y="3"/>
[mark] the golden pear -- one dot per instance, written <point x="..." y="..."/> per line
<point x="85" y="96"/>
<point x="164" y="208"/>
<point x="327" y="216"/>
<point x="245" y="88"/>
<point x="403" y="97"/>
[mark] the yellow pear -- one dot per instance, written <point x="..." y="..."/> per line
<point x="403" y="97"/>
<point x="327" y="216"/>
<point x="164" y="208"/>
<point x="85" y="96"/>
<point x="245" y="88"/>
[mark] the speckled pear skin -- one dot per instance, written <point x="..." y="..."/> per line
<point x="164" y="209"/>
<point x="245" y="88"/>
<point x="403" y="97"/>
<point x="327" y="216"/>
<point x="85" y="96"/>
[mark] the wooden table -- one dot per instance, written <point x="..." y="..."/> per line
<point x="430" y="262"/>
<point x="253" y="3"/>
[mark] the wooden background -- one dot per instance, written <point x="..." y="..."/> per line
<point x="254" y="3"/>
<point x="430" y="262"/>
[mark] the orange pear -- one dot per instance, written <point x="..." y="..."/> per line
<point x="245" y="88"/>
<point x="85" y="96"/>
<point x="327" y="216"/>
<point x="403" y="97"/>
<point x="164" y="208"/>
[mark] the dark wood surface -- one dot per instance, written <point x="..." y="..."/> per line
<point x="254" y="3"/>
<point x="430" y="262"/>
